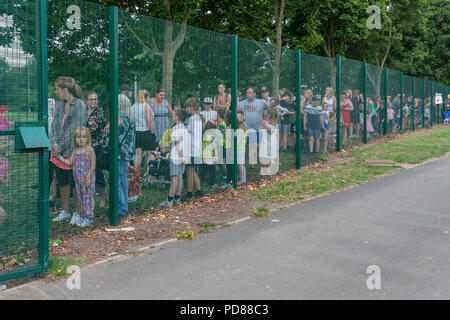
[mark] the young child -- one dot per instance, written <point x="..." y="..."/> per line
<point x="195" y="130"/>
<point x="177" y="159"/>
<point x="158" y="162"/>
<point x="326" y="125"/>
<point x="370" y="129"/>
<point x="269" y="154"/>
<point x="447" y="115"/>
<point x="241" y="144"/>
<point x="4" y="121"/>
<point x="390" y="114"/>
<point x="4" y="166"/>
<point x="210" y="153"/>
<point x="221" y="141"/>
<point x="209" y="114"/>
<point x="83" y="162"/>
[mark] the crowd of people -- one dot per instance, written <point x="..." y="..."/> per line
<point x="163" y="141"/>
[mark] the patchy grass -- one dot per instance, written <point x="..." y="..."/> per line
<point x="351" y="169"/>
<point x="58" y="265"/>
<point x="412" y="149"/>
<point x="260" y="212"/>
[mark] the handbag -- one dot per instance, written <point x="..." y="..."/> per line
<point x="104" y="152"/>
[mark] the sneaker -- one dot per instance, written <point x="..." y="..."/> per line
<point x="166" y="203"/>
<point x="239" y="183"/>
<point x="76" y="219"/>
<point x="311" y="155"/>
<point x="62" y="216"/>
<point x="186" y="198"/>
<point x="84" y="222"/>
<point x="225" y="186"/>
<point x="177" y="201"/>
<point x="199" y="194"/>
<point x="133" y="199"/>
<point x="213" y="186"/>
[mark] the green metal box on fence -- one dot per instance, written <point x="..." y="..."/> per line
<point x="30" y="136"/>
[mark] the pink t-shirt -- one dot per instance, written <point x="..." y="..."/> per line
<point x="390" y="113"/>
<point x="4" y="122"/>
<point x="4" y="166"/>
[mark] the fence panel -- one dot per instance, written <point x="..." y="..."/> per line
<point x="407" y="103"/>
<point x="375" y="101"/>
<point x="77" y="53"/>
<point x="21" y="171"/>
<point x="394" y="92"/>
<point x="318" y="79"/>
<point x="352" y="102"/>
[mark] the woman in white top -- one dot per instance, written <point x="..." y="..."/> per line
<point x="330" y="99"/>
<point x="145" y="128"/>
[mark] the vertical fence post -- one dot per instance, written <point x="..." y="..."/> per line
<point x="385" y="101"/>
<point x="298" y="118"/>
<point x="44" y="159"/>
<point x="365" y="102"/>
<point x="413" y="111"/>
<point x="114" y="115"/>
<point x="423" y="103"/>
<point x="338" y="104"/>
<point x="431" y="104"/>
<point x="234" y="85"/>
<point x="401" y="102"/>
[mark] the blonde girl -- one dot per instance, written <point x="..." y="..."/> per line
<point x="83" y="162"/>
<point x="269" y="155"/>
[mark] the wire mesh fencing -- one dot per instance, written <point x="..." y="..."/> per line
<point x="141" y="115"/>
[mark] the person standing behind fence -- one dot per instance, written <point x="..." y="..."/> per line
<point x="178" y="158"/>
<point x="241" y="143"/>
<point x="210" y="153"/>
<point x="288" y="118"/>
<point x="195" y="130"/>
<point x="83" y="162"/>
<point x="71" y="113"/>
<point x="145" y="128"/>
<point x="4" y="169"/>
<point x="347" y="107"/>
<point x="96" y="124"/>
<point x="127" y="150"/>
<point x="209" y="114"/>
<point x="161" y="111"/>
<point x="222" y="100"/>
<point x="313" y="123"/>
<point x="330" y="99"/>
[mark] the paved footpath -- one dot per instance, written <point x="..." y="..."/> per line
<point x="318" y="250"/>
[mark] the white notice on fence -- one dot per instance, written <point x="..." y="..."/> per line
<point x="438" y="98"/>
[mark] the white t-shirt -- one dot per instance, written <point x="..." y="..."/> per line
<point x="195" y="130"/>
<point x="210" y="115"/>
<point x="180" y="135"/>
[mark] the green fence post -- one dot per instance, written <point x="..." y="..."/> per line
<point x="234" y="84"/>
<point x="43" y="92"/>
<point x="423" y="103"/>
<point x="401" y="102"/>
<point x="114" y="115"/>
<point x="365" y="102"/>
<point x="298" y="118"/>
<point x="413" y="111"/>
<point x="385" y="101"/>
<point x="338" y="104"/>
<point x="431" y="104"/>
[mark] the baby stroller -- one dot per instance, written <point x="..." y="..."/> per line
<point x="158" y="167"/>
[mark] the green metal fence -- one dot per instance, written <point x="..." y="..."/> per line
<point x="130" y="79"/>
